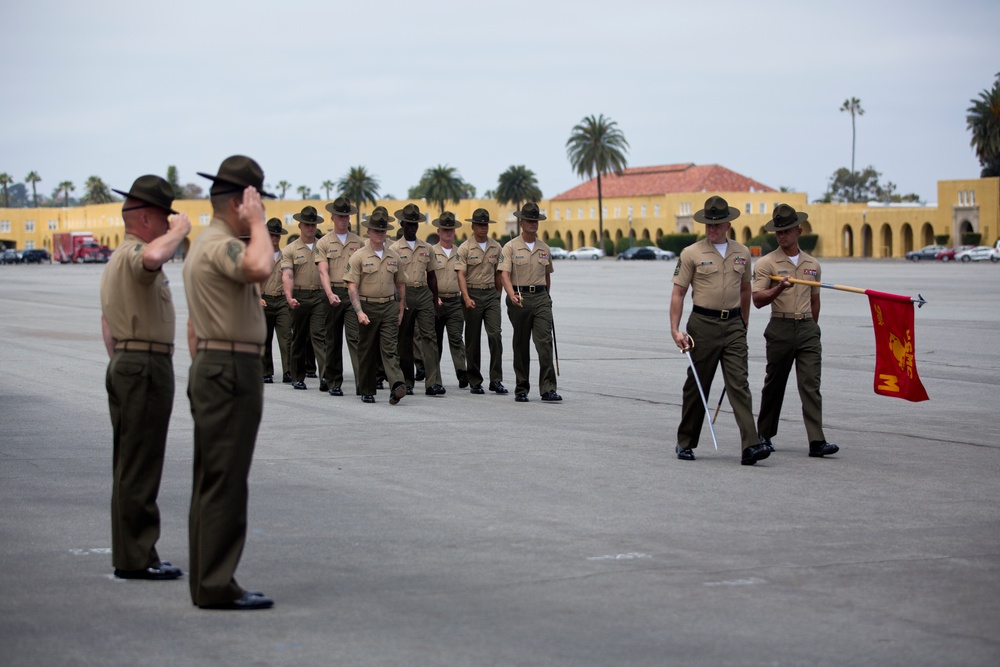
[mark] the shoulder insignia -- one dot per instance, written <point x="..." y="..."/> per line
<point x="233" y="249"/>
<point x="138" y="247"/>
<point x="677" y="268"/>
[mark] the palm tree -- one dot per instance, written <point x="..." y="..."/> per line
<point x="597" y="146"/>
<point x="327" y="185"/>
<point x="359" y="186"/>
<point x="854" y="106"/>
<point x="33" y="178"/>
<point x="5" y="181"/>
<point x="284" y="186"/>
<point x="442" y="184"/>
<point x="983" y="120"/>
<point x="66" y="187"/>
<point x="303" y="190"/>
<point x="516" y="186"/>
<point x="97" y="192"/>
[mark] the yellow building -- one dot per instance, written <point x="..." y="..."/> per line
<point x="644" y="203"/>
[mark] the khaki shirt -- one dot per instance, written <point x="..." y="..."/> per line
<point x="329" y="249"/>
<point x="480" y="265"/>
<point x="298" y="257"/>
<point x="447" y="279"/>
<point x="136" y="303"/>
<point x="798" y="298"/>
<point x="417" y="262"/>
<point x="715" y="281"/>
<point x="376" y="278"/>
<point x="222" y="304"/>
<point x="526" y="267"/>
<point x="272" y="286"/>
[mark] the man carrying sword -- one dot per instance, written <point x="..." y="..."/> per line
<point x="717" y="270"/>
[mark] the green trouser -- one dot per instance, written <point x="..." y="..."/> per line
<point x="340" y="319"/>
<point x="532" y="320"/>
<point x="419" y="308"/>
<point x="279" y="320"/>
<point x="227" y="397"/>
<point x="788" y="342"/>
<point x="308" y="324"/>
<point x="452" y="319"/>
<point x="717" y="341"/>
<point x="486" y="311"/>
<point x="140" y="398"/>
<point x="378" y="340"/>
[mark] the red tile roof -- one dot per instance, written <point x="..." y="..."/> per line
<point x="666" y="179"/>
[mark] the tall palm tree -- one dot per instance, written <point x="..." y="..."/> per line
<point x="983" y="120"/>
<point x="97" y="191"/>
<point x="359" y="186"/>
<point x="853" y="105"/>
<point x="66" y="187"/>
<point x="327" y="185"/>
<point x="33" y="178"/>
<point x="284" y="186"/>
<point x="516" y="186"/>
<point x="597" y="146"/>
<point x="442" y="184"/>
<point x="5" y="182"/>
<point x="304" y="191"/>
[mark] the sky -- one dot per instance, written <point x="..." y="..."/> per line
<point x="311" y="88"/>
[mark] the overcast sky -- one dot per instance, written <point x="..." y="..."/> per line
<point x="311" y="88"/>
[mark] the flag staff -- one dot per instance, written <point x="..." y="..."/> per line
<point x="919" y="299"/>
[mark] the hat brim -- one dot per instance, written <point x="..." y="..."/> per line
<point x="455" y="225"/>
<point x="281" y="231"/>
<point x="216" y="179"/>
<point x="387" y="228"/>
<point x="517" y="214"/>
<point x="730" y="216"/>
<point x="799" y="219"/>
<point x="329" y="207"/>
<point x="146" y="200"/>
<point x="399" y="216"/>
<point x="317" y="221"/>
<point x="480" y="222"/>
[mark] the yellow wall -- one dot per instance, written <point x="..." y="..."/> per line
<point x="845" y="230"/>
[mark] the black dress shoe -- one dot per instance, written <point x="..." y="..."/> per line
<point x="268" y="379"/>
<point x="398" y="392"/>
<point x="287" y="377"/>
<point x="551" y="396"/>
<point x="497" y="387"/>
<point x="160" y="572"/>
<point x="380" y="384"/>
<point x="248" y="602"/>
<point x="767" y="443"/>
<point x="419" y="375"/>
<point x="521" y="398"/>
<point x="299" y="385"/>
<point x="409" y="391"/>
<point x="323" y="386"/>
<point x="367" y="398"/>
<point x="822" y="448"/>
<point x="463" y="380"/>
<point x="311" y="374"/>
<point x="684" y="453"/>
<point x="336" y="391"/>
<point x="435" y="390"/>
<point x="754" y="453"/>
<point x="477" y="389"/>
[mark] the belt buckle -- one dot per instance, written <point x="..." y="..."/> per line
<point x="724" y="314"/>
<point x="531" y="289"/>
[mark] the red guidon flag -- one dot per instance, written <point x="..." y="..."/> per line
<point x="895" y="360"/>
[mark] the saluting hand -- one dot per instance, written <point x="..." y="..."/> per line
<point x="179" y="222"/>
<point x="251" y="209"/>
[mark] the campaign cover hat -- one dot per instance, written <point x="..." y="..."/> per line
<point x="342" y="206"/>
<point x="274" y="226"/>
<point x="785" y="217"/>
<point x="379" y="219"/>
<point x="410" y="213"/>
<point x="308" y="216"/>
<point x="530" y="212"/>
<point x="716" y="210"/>
<point x="447" y="221"/>
<point x="480" y="217"/>
<point x="152" y="190"/>
<point x="239" y="170"/>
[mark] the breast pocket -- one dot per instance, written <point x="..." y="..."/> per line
<point x="300" y="260"/>
<point x="370" y="268"/>
<point x="474" y="260"/>
<point x="706" y="269"/>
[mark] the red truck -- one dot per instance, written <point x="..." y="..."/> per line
<point x="77" y="248"/>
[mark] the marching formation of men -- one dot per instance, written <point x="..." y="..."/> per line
<point x="386" y="300"/>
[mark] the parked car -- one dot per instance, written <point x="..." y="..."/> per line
<point x="948" y="254"/>
<point x="557" y="252"/>
<point x="664" y="254"/>
<point x="638" y="252"/>
<point x="36" y="256"/>
<point x="10" y="256"/>
<point x="927" y="252"/>
<point x="978" y="254"/>
<point x="586" y="252"/>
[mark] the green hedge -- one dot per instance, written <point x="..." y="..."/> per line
<point x="808" y="242"/>
<point x="971" y="238"/>
<point x="623" y="244"/>
<point x="941" y="239"/>
<point x="556" y="243"/>
<point x="767" y="243"/>
<point x="676" y="242"/>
